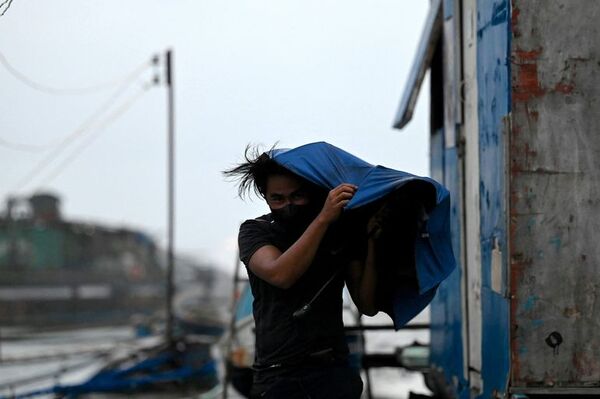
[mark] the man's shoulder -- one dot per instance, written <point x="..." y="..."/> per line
<point x="262" y="221"/>
<point x="254" y="233"/>
<point x="258" y="226"/>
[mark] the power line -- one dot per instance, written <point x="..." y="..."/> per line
<point x="61" y="141"/>
<point x="87" y="124"/>
<point x="24" y="147"/>
<point x="77" y="90"/>
<point x="8" y="3"/>
<point x="114" y="116"/>
<point x="33" y="148"/>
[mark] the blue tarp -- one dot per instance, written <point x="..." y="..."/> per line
<point x="328" y="166"/>
<point x="169" y="369"/>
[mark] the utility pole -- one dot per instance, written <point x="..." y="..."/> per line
<point x="171" y="193"/>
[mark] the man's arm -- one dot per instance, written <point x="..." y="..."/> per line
<point x="361" y="276"/>
<point x="361" y="279"/>
<point x="284" y="269"/>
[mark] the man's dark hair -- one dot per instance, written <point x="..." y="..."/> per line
<point x="252" y="175"/>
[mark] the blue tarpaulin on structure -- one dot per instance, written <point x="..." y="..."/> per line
<point x="328" y="166"/>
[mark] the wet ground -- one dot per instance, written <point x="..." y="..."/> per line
<point x="34" y="360"/>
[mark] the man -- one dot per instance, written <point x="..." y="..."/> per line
<point x="297" y="262"/>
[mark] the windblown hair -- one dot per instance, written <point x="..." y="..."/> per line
<point x="252" y="175"/>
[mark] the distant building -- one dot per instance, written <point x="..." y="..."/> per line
<point x="54" y="271"/>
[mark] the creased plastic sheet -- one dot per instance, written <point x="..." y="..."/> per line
<point x="329" y="166"/>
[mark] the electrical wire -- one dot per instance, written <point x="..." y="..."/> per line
<point x="99" y="126"/>
<point x="68" y="138"/>
<point x="87" y="124"/>
<point x="77" y="90"/>
<point x="11" y="145"/>
<point x="8" y="3"/>
<point x="113" y="117"/>
<point x="34" y="148"/>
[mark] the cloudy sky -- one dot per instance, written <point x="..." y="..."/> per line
<point x="260" y="71"/>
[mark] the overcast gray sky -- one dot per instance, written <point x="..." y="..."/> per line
<point x="260" y="71"/>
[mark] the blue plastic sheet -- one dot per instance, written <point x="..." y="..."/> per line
<point x="328" y="166"/>
<point x="149" y="373"/>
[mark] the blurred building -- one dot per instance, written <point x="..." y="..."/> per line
<point x="59" y="272"/>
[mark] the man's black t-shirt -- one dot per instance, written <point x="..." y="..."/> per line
<point x="281" y="338"/>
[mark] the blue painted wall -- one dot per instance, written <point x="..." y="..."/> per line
<point x="493" y="80"/>
<point x="446" y="317"/>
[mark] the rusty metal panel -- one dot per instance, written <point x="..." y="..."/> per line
<point x="555" y="194"/>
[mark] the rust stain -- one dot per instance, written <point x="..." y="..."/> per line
<point x="513" y="221"/>
<point x="527" y="85"/>
<point x="572" y="313"/>
<point x="518" y="262"/>
<point x="528" y="55"/>
<point x="514" y="346"/>
<point x="515" y="20"/>
<point x="515" y="130"/>
<point x="521" y="152"/>
<point x="515" y="167"/>
<point x="529" y="153"/>
<point x="534" y="115"/>
<point x="518" y="265"/>
<point x="515" y="14"/>
<point x="586" y="365"/>
<point x="564" y="88"/>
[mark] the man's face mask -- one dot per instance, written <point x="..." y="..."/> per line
<point x="294" y="216"/>
<point x="292" y="204"/>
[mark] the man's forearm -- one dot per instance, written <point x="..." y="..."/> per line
<point x="361" y="280"/>
<point x="294" y="262"/>
<point x="284" y="269"/>
<point x="368" y="281"/>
